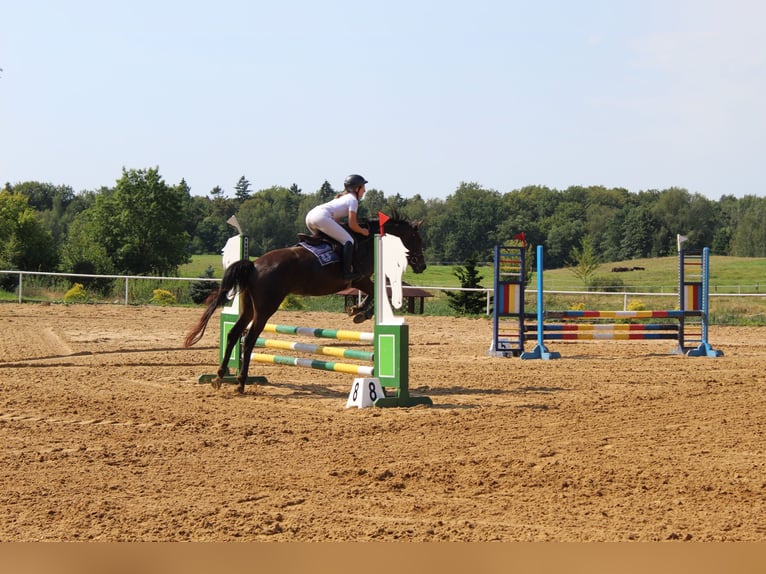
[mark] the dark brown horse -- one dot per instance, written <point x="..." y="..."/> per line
<point x="264" y="283"/>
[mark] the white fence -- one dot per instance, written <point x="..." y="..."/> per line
<point x="626" y="295"/>
<point x="125" y="278"/>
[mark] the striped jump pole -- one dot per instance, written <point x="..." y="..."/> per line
<point x="320" y="333"/>
<point x="315" y="349"/>
<point x="611" y="327"/>
<point x="358" y="370"/>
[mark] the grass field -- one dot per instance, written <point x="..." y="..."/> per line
<point x="660" y="275"/>
<point x="727" y="274"/>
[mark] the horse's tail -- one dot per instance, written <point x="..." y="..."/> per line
<point x="234" y="279"/>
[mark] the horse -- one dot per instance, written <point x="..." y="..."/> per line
<point x="264" y="283"/>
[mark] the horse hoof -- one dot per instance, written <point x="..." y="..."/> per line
<point x="216" y="383"/>
<point x="360" y="318"/>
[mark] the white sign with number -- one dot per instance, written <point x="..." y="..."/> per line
<point x="364" y="392"/>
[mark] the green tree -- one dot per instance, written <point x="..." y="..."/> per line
<point x="140" y="225"/>
<point x="25" y="243"/>
<point x="373" y="202"/>
<point x="52" y="202"/>
<point x="269" y="218"/>
<point x="211" y="234"/>
<point x="326" y="192"/>
<point x="529" y="209"/>
<point x="583" y="261"/>
<point x="415" y="208"/>
<point x="469" y="225"/>
<point x="637" y="233"/>
<point x="81" y="254"/>
<point x="749" y="237"/>
<point x="467" y="302"/>
<point x="602" y="207"/>
<point x="242" y="190"/>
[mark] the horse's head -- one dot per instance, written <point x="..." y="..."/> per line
<point x="409" y="233"/>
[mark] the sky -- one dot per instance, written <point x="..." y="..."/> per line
<point x="417" y="96"/>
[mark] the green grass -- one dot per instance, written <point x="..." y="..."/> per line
<point x="727" y="274"/>
<point x="200" y="263"/>
<point x="435" y="275"/>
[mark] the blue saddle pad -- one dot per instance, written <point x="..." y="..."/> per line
<point x="324" y="253"/>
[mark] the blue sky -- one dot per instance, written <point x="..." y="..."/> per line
<point x="418" y="96"/>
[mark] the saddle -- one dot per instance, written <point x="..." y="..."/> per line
<point x="318" y="239"/>
<point x="321" y="238"/>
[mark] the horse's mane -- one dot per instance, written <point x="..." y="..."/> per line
<point x="395" y="216"/>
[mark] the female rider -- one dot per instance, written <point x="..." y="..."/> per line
<point x="326" y="218"/>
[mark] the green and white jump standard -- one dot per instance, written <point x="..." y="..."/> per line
<point x="388" y="366"/>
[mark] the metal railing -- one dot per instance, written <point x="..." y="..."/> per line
<point x="488" y="292"/>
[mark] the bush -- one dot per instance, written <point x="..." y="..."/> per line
<point x="199" y="290"/>
<point x="606" y="284"/>
<point x="636" y="305"/>
<point x="292" y="303"/>
<point x="76" y="294"/>
<point x="162" y="297"/>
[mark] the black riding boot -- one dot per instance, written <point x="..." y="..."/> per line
<point x="348" y="260"/>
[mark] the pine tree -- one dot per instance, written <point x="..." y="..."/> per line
<point x="199" y="290"/>
<point x="326" y="192"/>
<point x="242" y="189"/>
<point x="467" y="302"/>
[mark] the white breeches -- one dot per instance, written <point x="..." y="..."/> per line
<point x="319" y="220"/>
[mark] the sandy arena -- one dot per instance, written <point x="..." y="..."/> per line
<point x="106" y="435"/>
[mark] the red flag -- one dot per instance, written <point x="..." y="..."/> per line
<point x="521" y="237"/>
<point x="382" y="217"/>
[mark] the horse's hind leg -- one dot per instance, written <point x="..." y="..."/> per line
<point x="235" y="333"/>
<point x="260" y="317"/>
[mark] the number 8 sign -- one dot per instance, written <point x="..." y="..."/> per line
<point x="364" y="392"/>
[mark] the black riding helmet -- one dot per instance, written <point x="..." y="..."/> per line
<point x="353" y="181"/>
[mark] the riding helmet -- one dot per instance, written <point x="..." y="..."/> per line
<point x="353" y="181"/>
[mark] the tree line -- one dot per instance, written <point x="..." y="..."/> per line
<point x="145" y="226"/>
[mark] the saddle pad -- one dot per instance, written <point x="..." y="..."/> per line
<point x="324" y="252"/>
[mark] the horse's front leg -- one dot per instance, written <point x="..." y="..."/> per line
<point x="361" y="305"/>
<point x="366" y="308"/>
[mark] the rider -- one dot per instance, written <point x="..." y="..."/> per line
<point x="326" y="217"/>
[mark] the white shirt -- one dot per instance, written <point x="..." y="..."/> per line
<point x="341" y="206"/>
